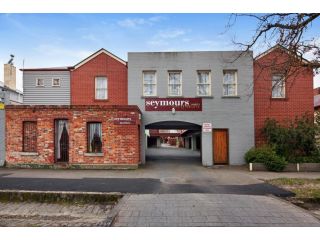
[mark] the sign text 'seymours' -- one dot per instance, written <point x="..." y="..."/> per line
<point x="179" y="104"/>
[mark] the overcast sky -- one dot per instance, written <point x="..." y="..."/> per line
<point x="48" y="40"/>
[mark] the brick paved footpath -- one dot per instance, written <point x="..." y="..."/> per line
<point x="209" y="210"/>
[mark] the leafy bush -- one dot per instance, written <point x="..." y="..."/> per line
<point x="267" y="156"/>
<point x="294" y="140"/>
<point x="259" y="155"/>
<point x="276" y="164"/>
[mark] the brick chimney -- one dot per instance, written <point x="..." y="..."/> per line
<point x="9" y="76"/>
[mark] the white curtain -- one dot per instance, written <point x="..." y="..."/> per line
<point x="59" y="128"/>
<point x="101" y="88"/>
<point x="149" y="83"/>
<point x="94" y="129"/>
<point x="229" y="83"/>
<point x="174" y="84"/>
<point x="203" y="84"/>
<point x="278" y="89"/>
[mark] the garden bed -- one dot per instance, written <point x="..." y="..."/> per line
<point x="290" y="167"/>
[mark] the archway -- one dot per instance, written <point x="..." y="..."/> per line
<point x="173" y="142"/>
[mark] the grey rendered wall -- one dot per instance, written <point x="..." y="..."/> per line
<point x="2" y="137"/>
<point x="235" y="114"/>
<point x="46" y="95"/>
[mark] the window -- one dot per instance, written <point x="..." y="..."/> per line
<point x="149" y="83"/>
<point x="101" y="88"/>
<point x="204" y="83"/>
<point x="40" y="82"/>
<point x="175" y="84"/>
<point x="29" y="136"/>
<point x="278" y="87"/>
<point x="56" y="82"/>
<point x="229" y="83"/>
<point x="94" y="137"/>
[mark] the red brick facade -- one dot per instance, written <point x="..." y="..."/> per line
<point x="120" y="143"/>
<point x="298" y="91"/>
<point x="83" y="81"/>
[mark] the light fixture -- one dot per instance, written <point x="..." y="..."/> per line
<point x="173" y="111"/>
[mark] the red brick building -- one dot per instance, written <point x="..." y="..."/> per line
<point x="79" y="136"/>
<point x="100" y="79"/>
<point x="284" y="99"/>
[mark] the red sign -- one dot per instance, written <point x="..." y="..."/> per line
<point x="124" y="121"/>
<point x="179" y="104"/>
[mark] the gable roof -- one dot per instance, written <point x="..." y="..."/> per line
<point x="102" y="50"/>
<point x="278" y="46"/>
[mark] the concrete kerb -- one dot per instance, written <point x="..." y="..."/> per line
<point x="59" y="196"/>
<point x="115" y="211"/>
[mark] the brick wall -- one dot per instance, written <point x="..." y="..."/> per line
<point x="119" y="142"/>
<point x="83" y="81"/>
<point x="299" y="92"/>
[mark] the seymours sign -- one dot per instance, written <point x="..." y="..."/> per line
<point x="178" y="104"/>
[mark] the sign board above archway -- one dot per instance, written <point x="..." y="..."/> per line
<point x="178" y="104"/>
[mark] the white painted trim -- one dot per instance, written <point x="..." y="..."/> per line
<point x="95" y="88"/>
<point x="236" y="82"/>
<point x="210" y="83"/>
<point x="284" y="86"/>
<point x="37" y="82"/>
<point x="56" y="85"/>
<point x="96" y="54"/>
<point x="156" y="82"/>
<point x="180" y="72"/>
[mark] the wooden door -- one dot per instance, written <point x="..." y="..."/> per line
<point x="220" y="146"/>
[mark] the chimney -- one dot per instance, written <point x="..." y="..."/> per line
<point x="9" y="76"/>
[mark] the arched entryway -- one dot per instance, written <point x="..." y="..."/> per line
<point x="173" y="142"/>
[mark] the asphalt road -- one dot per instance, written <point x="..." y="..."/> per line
<point x="134" y="185"/>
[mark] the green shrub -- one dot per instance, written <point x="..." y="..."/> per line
<point x="276" y="164"/>
<point x="294" y="140"/>
<point x="267" y="156"/>
<point x="259" y="155"/>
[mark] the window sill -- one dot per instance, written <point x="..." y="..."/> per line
<point x="29" y="154"/>
<point x="101" y="100"/>
<point x="93" y="154"/>
<point x="175" y="96"/>
<point x="149" y="96"/>
<point x="279" y="99"/>
<point x="230" y="97"/>
<point x="204" y="97"/>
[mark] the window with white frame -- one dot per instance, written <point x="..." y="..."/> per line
<point x="204" y="83"/>
<point x="56" y="82"/>
<point x="278" y="87"/>
<point x="40" y="82"/>
<point x="94" y="137"/>
<point x="229" y="83"/>
<point x="175" y="83"/>
<point x="149" y="83"/>
<point x="101" y="88"/>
